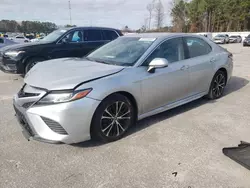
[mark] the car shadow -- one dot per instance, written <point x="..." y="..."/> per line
<point x="235" y="84"/>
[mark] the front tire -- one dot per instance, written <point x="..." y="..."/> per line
<point x="112" y="119"/>
<point x="31" y="63"/>
<point x="217" y="86"/>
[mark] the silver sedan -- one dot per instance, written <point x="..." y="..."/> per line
<point x="102" y="95"/>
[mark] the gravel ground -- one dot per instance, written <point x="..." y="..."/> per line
<point x="187" y="140"/>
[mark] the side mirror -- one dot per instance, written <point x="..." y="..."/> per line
<point x="156" y="64"/>
<point x="65" y="40"/>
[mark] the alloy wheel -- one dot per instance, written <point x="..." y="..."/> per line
<point x="115" y="119"/>
<point x="219" y="85"/>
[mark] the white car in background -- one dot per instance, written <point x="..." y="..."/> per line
<point x="36" y="39"/>
<point x="20" y="39"/>
<point x="221" y="39"/>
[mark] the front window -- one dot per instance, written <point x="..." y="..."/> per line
<point x="171" y="50"/>
<point x="54" y="35"/>
<point x="124" y="51"/>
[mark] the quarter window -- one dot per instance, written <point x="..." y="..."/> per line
<point x="197" y="47"/>
<point x="172" y="50"/>
<point x="109" y="34"/>
<point x="92" y="35"/>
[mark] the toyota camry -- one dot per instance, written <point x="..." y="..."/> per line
<point x="102" y="95"/>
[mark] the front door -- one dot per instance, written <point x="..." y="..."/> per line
<point x="169" y="84"/>
<point x="70" y="46"/>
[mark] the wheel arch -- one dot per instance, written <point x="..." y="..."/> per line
<point x="27" y="59"/>
<point x="32" y="57"/>
<point x="223" y="70"/>
<point x="130" y="97"/>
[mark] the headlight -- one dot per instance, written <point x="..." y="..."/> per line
<point x="54" y="97"/>
<point x="13" y="53"/>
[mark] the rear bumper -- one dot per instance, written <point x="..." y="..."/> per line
<point x="219" y="42"/>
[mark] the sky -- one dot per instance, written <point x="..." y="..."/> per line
<point x="110" y="13"/>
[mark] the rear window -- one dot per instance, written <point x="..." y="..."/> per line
<point x="92" y="35"/>
<point x="109" y="35"/>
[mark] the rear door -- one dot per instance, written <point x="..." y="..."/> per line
<point x="109" y="35"/>
<point x="200" y="64"/>
<point x="93" y="39"/>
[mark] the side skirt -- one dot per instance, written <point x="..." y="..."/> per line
<point x="172" y="105"/>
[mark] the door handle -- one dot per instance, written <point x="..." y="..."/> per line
<point x="184" y="67"/>
<point x="212" y="60"/>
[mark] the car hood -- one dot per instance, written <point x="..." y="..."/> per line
<point x="67" y="73"/>
<point x="22" y="46"/>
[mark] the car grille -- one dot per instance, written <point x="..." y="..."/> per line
<point x="22" y="120"/>
<point x="27" y="105"/>
<point x="54" y="126"/>
<point x="22" y="94"/>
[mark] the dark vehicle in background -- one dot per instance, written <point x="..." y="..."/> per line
<point x="221" y="39"/>
<point x="246" y="42"/>
<point x="6" y="42"/>
<point x="68" y="42"/>
<point x="235" y="39"/>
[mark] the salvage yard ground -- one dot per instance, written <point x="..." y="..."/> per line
<point x="187" y="140"/>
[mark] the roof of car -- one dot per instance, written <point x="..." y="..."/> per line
<point x="87" y="27"/>
<point x="159" y="35"/>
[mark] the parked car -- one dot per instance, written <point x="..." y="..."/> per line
<point x="6" y="42"/>
<point x="235" y="39"/>
<point x="221" y="39"/>
<point x="36" y="39"/>
<point x="69" y="42"/>
<point x="20" y="39"/>
<point x="246" y="42"/>
<point x="101" y="96"/>
<point x="30" y="36"/>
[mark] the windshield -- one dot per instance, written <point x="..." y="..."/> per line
<point x="233" y="36"/>
<point x="54" y="35"/>
<point x="220" y="35"/>
<point x="124" y="51"/>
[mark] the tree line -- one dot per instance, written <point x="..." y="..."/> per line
<point x="27" y="26"/>
<point x="210" y="15"/>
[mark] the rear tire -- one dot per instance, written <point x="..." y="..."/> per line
<point x="112" y="119"/>
<point x="217" y="85"/>
<point x="31" y="62"/>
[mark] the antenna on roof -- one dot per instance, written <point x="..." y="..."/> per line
<point x="70" y="13"/>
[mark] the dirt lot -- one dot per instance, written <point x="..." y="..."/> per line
<point x="187" y="140"/>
